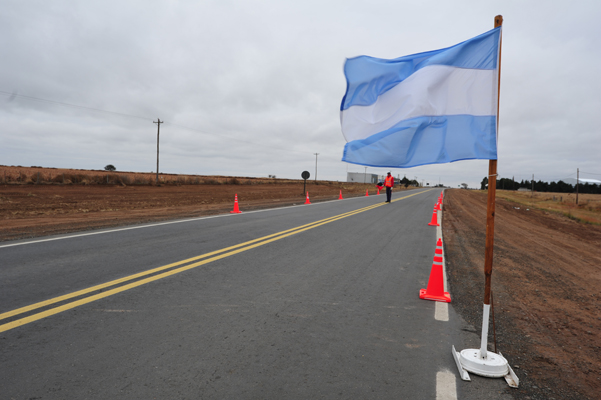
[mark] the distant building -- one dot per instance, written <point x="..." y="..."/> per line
<point x="361" y="178"/>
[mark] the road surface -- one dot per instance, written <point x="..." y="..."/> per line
<point x="310" y="302"/>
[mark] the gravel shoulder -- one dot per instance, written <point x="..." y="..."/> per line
<point x="546" y="286"/>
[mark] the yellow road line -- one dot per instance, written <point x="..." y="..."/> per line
<point x="228" y="251"/>
<point x="158" y="269"/>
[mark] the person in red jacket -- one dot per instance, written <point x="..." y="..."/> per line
<point x="389" y="183"/>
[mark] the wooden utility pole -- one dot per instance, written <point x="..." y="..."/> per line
<point x="532" y="191"/>
<point x="577" y="182"/>
<point x="158" y="122"/>
<point x="492" y="190"/>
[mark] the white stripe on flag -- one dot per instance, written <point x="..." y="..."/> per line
<point x="432" y="91"/>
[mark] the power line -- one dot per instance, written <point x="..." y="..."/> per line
<point x="13" y="95"/>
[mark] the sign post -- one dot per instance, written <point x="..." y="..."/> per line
<point x="305" y="175"/>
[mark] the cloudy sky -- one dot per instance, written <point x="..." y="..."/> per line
<point x="253" y="88"/>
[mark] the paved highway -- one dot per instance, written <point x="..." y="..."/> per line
<point x="310" y="302"/>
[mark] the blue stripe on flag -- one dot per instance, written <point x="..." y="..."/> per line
<point x="427" y="140"/>
<point x="369" y="77"/>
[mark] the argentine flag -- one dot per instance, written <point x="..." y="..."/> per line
<point x="428" y="108"/>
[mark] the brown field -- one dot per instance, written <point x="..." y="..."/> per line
<point x="546" y="282"/>
<point x="50" y="207"/>
<point x="41" y="175"/>
<point x="587" y="210"/>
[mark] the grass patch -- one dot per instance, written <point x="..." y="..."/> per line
<point x="588" y="209"/>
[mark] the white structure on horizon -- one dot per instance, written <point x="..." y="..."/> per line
<point x="572" y="181"/>
<point x="361" y="177"/>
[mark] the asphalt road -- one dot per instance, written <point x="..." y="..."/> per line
<point x="311" y="302"/>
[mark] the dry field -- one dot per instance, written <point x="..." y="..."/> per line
<point x="41" y="175"/>
<point x="547" y="288"/>
<point x="51" y="207"/>
<point x="587" y="210"/>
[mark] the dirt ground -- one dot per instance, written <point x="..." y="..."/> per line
<point x="546" y="289"/>
<point x="546" y="271"/>
<point x="30" y="210"/>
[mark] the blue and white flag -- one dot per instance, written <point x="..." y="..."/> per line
<point x="428" y="108"/>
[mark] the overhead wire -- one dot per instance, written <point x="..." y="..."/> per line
<point x="13" y="95"/>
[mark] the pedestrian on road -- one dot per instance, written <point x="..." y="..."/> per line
<point x="389" y="183"/>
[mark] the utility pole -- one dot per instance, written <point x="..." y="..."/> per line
<point x="316" y="154"/>
<point x="158" y="122"/>
<point x="532" y="193"/>
<point x="577" y="181"/>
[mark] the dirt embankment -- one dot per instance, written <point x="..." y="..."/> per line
<point x="28" y="210"/>
<point x="546" y="286"/>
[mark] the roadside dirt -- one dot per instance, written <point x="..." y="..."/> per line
<point x="546" y="287"/>
<point x="39" y="210"/>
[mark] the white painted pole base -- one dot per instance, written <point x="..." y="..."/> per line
<point x="492" y="366"/>
<point x="483" y="362"/>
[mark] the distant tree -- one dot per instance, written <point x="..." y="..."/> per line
<point x="464" y="185"/>
<point x="110" y="167"/>
<point x="405" y="182"/>
<point x="484" y="183"/>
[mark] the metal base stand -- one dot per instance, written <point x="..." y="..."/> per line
<point x="483" y="362"/>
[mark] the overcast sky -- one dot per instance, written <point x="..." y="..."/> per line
<point x="253" y="88"/>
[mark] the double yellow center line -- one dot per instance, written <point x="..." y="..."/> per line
<point x="170" y="269"/>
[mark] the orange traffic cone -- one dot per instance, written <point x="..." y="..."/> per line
<point x="236" y="209"/>
<point x="434" y="221"/>
<point x="378" y="190"/>
<point x="437" y="205"/>
<point x="366" y="193"/>
<point x="435" y="290"/>
<point x="307" y="201"/>
<point x="340" y="197"/>
<point x="438" y="251"/>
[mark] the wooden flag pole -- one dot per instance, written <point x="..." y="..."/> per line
<point x="490" y="220"/>
<point x="481" y="361"/>
<point x="492" y="191"/>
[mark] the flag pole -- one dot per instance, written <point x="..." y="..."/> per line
<point x="490" y="217"/>
<point x="481" y="361"/>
